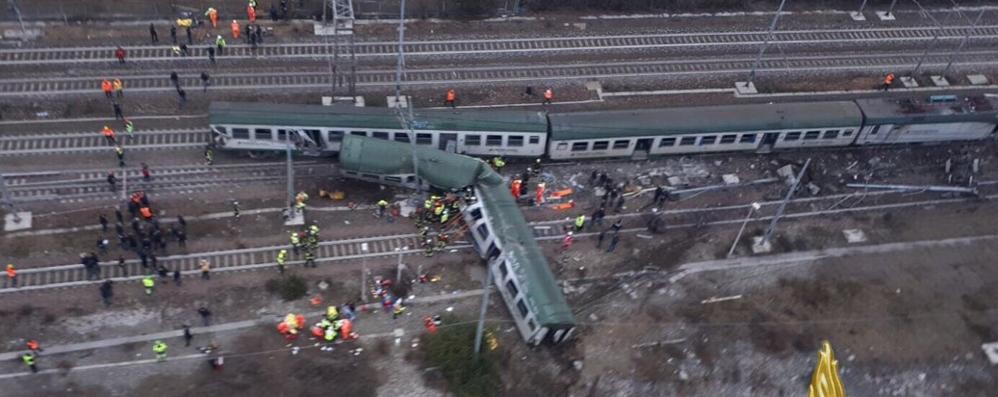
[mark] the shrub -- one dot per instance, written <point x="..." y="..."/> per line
<point x="450" y="350"/>
<point x="289" y="288"/>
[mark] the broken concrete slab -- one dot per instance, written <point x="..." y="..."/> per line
<point x="730" y="179"/>
<point x="854" y="236"/>
<point x="977" y="79"/>
<point x="991" y="350"/>
<point x="759" y="246"/>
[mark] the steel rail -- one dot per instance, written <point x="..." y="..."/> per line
<point x="79" y="142"/>
<point x="506" y="73"/>
<point x="65" y="276"/>
<point x="503" y="46"/>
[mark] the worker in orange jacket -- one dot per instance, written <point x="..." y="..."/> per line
<point x="106" y="87"/>
<point x="251" y="14"/>
<point x="212" y="14"/>
<point x="235" y="29"/>
<point x="109" y="135"/>
<point x="11" y="275"/>
<point x="451" y="98"/>
<point x="548" y="96"/>
<point x="888" y="81"/>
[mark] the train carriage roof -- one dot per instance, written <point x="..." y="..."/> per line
<point x="523" y="256"/>
<point x="947" y="109"/>
<point x="438" y="168"/>
<point x="344" y="116"/>
<point x="701" y="120"/>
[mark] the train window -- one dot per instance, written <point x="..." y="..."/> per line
<point x="369" y="176"/>
<point x="667" y="142"/>
<point x="515" y="140"/>
<point x="264" y="134"/>
<point x="240" y="133"/>
<point x="708" y="140"/>
<point x="282" y="135"/>
<point x="335" y="136"/>
<point x="503" y="269"/>
<point x="493" y="252"/>
<point x="402" y="137"/>
<point x="393" y="179"/>
<point x="601" y="145"/>
<point x="792" y="136"/>
<point x="728" y="138"/>
<point x="358" y="133"/>
<point x="513" y="291"/>
<point x="621" y="144"/>
<point x="688" y="141"/>
<point x="476" y="214"/>
<point x="580" y="146"/>
<point x="847" y="133"/>
<point x="381" y="135"/>
<point x="876" y="129"/>
<point x="811" y="135"/>
<point x="424" y="139"/>
<point x="535" y="140"/>
<point x="473" y="140"/>
<point x="483" y="231"/>
<point x="522" y="308"/>
<point x="831" y="134"/>
<point x="493" y="140"/>
<point x="747" y="138"/>
<point x="531" y="324"/>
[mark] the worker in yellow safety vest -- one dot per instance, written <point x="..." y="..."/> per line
<point x="282" y="256"/>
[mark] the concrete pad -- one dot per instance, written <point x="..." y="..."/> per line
<point x="939" y="81"/>
<point x="854" y="236"/>
<point x="745" y="88"/>
<point x="17" y="221"/>
<point x="322" y="29"/>
<point x="909" y="82"/>
<point x="885" y="16"/>
<point x="295" y="218"/>
<point x="730" y="179"/>
<point x="857" y="16"/>
<point x="402" y="102"/>
<point x="991" y="350"/>
<point x="758" y="247"/>
<point x="977" y="79"/>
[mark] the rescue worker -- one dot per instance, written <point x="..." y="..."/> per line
<point x="120" y="54"/>
<point x="212" y="15"/>
<point x="514" y="188"/>
<point x="108" y="135"/>
<point x="118" y="115"/>
<point x="235" y="29"/>
<point x="282" y="256"/>
<point x="566" y="242"/>
<point x="441" y="242"/>
<point x="11" y="275"/>
<point x="397" y="309"/>
<point x="220" y="44"/>
<point x="211" y="54"/>
<point x="33" y="346"/>
<point x="888" y="81"/>
<point x="129" y="127"/>
<point x="205" y="79"/>
<point x="235" y="208"/>
<point x="444" y="217"/>
<point x="309" y="258"/>
<point x="190" y="38"/>
<point x="173" y="34"/>
<point x="29" y="360"/>
<point x="313" y="230"/>
<point x="159" y="348"/>
<point x="148" y="282"/>
<point x="251" y="14"/>
<point x="118" y="151"/>
<point x="451" y="98"/>
<point x="548" y="96"/>
<point x="111" y="179"/>
<point x="119" y="88"/>
<point x="329" y="336"/>
<point x="580" y="222"/>
<point x="105" y="86"/>
<point x="428" y="247"/>
<point x="252" y="3"/>
<point x="205" y="269"/>
<point x="209" y="154"/>
<point x="536" y="169"/>
<point x="295" y="242"/>
<point x="498" y="163"/>
<point x="539" y="194"/>
<point x="382" y="206"/>
<point x="332" y="314"/>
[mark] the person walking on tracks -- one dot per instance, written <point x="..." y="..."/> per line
<point x="148" y="283"/>
<point x="205" y="269"/>
<point x="11" y="275"/>
<point x="175" y="79"/>
<point x="112" y="180"/>
<point x="153" y="35"/>
<point x="205" y="81"/>
<point x="120" y="54"/>
<point x="209" y="154"/>
<point x="888" y="81"/>
<point x="118" y="151"/>
<point x="548" y="96"/>
<point x="117" y="111"/>
<point x="282" y="256"/>
<point x="234" y="26"/>
<point x="235" y="209"/>
<point x="220" y="44"/>
<point x="211" y="54"/>
<point x="119" y="88"/>
<point x="29" y="360"/>
<point x="187" y="335"/>
<point x="108" y="134"/>
<point x="107" y="292"/>
<point x="129" y="128"/>
<point x="212" y="15"/>
<point x="159" y="348"/>
<point x="105" y="86"/>
<point x="451" y="99"/>
<point x="173" y="34"/>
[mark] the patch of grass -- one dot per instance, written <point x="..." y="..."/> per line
<point x="450" y="350"/>
<point x="289" y="288"/>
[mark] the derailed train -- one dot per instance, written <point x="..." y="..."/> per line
<point x="319" y="130"/>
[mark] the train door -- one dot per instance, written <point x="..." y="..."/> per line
<point x="641" y="148"/>
<point x="448" y="143"/>
<point x="768" y="141"/>
<point x="308" y="141"/>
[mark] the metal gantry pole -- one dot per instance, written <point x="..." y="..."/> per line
<point x="861" y="7"/>
<point x="291" y="183"/>
<point x="17" y="11"/>
<point x="8" y="201"/>
<point x="783" y="204"/>
<point x="963" y="42"/>
<point x="890" y="9"/>
<point x="765" y="43"/>
<point x="935" y="37"/>
<point x="487" y="286"/>
<point x="752" y="209"/>
<point x="403" y="118"/>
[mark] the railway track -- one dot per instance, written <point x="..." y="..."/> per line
<point x="93" y="141"/>
<point x="877" y="63"/>
<point x="36" y="56"/>
<point x="66" y="276"/>
<point x="70" y="187"/>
